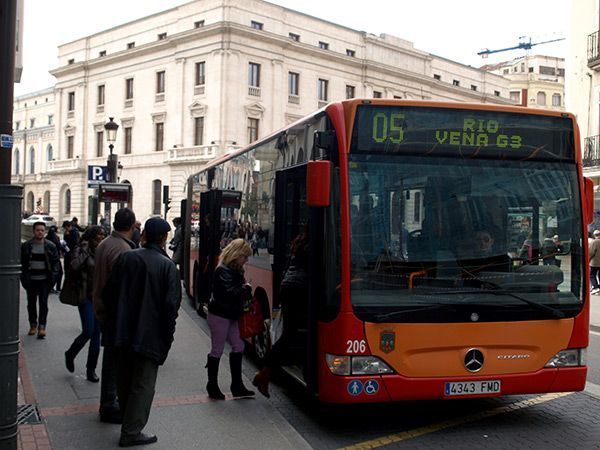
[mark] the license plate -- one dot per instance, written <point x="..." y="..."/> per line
<point x="472" y="387"/>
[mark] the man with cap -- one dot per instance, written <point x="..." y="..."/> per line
<point x="594" y="254"/>
<point x="142" y="298"/>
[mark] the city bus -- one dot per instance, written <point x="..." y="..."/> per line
<point x="447" y="250"/>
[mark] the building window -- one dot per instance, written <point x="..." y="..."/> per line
<point x="130" y="45"/>
<point x="99" y="143"/>
<point x="198" y="130"/>
<point x="17" y="159"/>
<point x="293" y="81"/>
<point x="455" y="83"/>
<point x="162" y="36"/>
<point x="541" y="98"/>
<point x="160" y="82"/>
<point x="545" y="70"/>
<point x="127" y="139"/>
<point x="31" y="160"/>
<point x="128" y="88"/>
<point x="70" y="147"/>
<point x="556" y="100"/>
<point x="560" y="72"/>
<point x="350" y="91"/>
<point x="505" y="71"/>
<point x="253" y="74"/>
<point x="437" y="77"/>
<point x="159" y="134"/>
<point x="67" y="201"/>
<point x="71" y="101"/>
<point x="376" y="94"/>
<point x="50" y="119"/>
<point x="497" y="93"/>
<point x="522" y="67"/>
<point x="252" y="130"/>
<point x="71" y="61"/>
<point x="256" y="25"/>
<point x="199" y="24"/>
<point x="473" y="87"/>
<point x="515" y="96"/>
<point x="323" y="45"/>
<point x="530" y="69"/>
<point x="49" y="153"/>
<point x="100" y="95"/>
<point x="156" y="196"/>
<point x="200" y="73"/>
<point x="322" y="87"/>
<point x="32" y="122"/>
<point x="17" y="125"/>
<point x="350" y="52"/>
<point x="102" y="53"/>
<point x="294" y="37"/>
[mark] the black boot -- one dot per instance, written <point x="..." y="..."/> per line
<point x="212" y="387"/>
<point x="237" y="386"/>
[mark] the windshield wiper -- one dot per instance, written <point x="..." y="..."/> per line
<point x="494" y="289"/>
<point x="395" y="314"/>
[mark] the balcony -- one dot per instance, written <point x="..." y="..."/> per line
<point x="591" y="152"/>
<point x="191" y="154"/>
<point x="253" y="91"/>
<point x="65" y="165"/>
<point x="593" y="51"/>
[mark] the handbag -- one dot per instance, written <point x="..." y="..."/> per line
<point x="251" y="322"/>
<point x="72" y="292"/>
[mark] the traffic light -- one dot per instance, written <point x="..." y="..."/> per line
<point x="166" y="199"/>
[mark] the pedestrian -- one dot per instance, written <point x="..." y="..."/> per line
<point x="137" y="233"/>
<point x="294" y="307"/>
<point x="71" y="237"/>
<point x="106" y="255"/>
<point x="105" y="225"/>
<point x="82" y="266"/>
<point x="75" y="223"/>
<point x="594" y="255"/>
<point x="176" y="244"/>
<point x="231" y="294"/>
<point x="142" y="297"/>
<point x="39" y="267"/>
<point x="53" y="237"/>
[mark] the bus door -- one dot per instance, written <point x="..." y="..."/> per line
<point x="291" y="230"/>
<point x="219" y="214"/>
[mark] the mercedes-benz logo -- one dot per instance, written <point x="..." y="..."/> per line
<point x="474" y="360"/>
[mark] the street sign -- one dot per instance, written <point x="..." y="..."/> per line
<point x="114" y="192"/>
<point x="97" y="175"/>
<point x="6" y="141"/>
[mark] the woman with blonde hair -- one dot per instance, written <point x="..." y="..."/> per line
<point x="230" y="293"/>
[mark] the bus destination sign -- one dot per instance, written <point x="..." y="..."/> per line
<point x="472" y="133"/>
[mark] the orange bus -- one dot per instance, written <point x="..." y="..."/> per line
<point x="447" y="247"/>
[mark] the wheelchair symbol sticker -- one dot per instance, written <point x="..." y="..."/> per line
<point x="355" y="387"/>
<point x="371" y="387"/>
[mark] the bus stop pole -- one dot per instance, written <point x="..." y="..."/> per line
<point x="10" y="205"/>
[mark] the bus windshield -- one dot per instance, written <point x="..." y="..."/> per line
<point x="435" y="237"/>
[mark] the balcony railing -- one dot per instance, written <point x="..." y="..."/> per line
<point x="591" y="151"/>
<point x="254" y="91"/>
<point x="64" y="165"/>
<point x="593" y="51"/>
<point x="187" y="154"/>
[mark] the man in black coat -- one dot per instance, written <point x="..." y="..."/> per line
<point x="142" y="297"/>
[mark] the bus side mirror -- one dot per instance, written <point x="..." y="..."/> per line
<point x="318" y="183"/>
<point x="588" y="206"/>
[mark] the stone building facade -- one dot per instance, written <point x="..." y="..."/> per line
<point x="196" y="81"/>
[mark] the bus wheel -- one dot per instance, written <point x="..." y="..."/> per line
<point x="262" y="343"/>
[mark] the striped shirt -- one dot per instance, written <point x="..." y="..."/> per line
<point x="37" y="264"/>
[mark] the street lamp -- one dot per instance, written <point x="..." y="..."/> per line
<point x="111" y="128"/>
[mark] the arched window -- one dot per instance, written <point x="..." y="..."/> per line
<point x="17" y="161"/>
<point x="31" y="160"/>
<point x="156" y="196"/>
<point x="67" y="201"/>
<point x="556" y="100"/>
<point x="46" y="205"/>
<point x="30" y="202"/>
<point x="541" y="98"/>
<point x="49" y="153"/>
<point x="300" y="158"/>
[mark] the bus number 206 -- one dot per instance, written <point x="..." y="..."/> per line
<point x="356" y="346"/>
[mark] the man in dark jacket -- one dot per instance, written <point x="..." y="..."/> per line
<point x="39" y="268"/>
<point x="142" y="298"/>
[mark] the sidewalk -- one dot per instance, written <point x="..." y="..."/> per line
<point x="182" y="416"/>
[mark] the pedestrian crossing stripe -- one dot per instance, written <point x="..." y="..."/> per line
<point x="411" y="434"/>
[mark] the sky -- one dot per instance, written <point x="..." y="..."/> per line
<point x="456" y="29"/>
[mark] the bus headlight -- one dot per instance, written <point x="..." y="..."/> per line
<point x="568" y="358"/>
<point x="356" y="365"/>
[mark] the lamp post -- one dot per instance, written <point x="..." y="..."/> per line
<point x="111" y="128"/>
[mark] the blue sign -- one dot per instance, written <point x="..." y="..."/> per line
<point x="97" y="174"/>
<point x="6" y="141"/>
<point x="355" y="387"/>
<point x="371" y="387"/>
